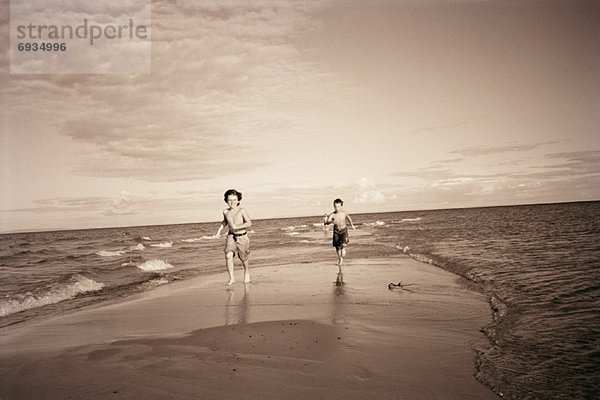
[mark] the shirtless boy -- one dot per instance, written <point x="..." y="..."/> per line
<point x="237" y="219"/>
<point x="340" y="231"/>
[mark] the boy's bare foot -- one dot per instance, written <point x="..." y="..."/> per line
<point x="247" y="278"/>
<point x="231" y="282"/>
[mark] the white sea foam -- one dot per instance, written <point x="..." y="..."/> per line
<point x="192" y="240"/>
<point x="128" y="264"/>
<point x="406" y="220"/>
<point x="292" y="227"/>
<point x="422" y="257"/>
<point x="60" y="292"/>
<point x="116" y="253"/>
<point x="404" y="249"/>
<point x="209" y="237"/>
<point x="293" y="233"/>
<point x="154" y="265"/>
<point x="155" y="282"/>
<point x="163" y="244"/>
<point x="109" y="253"/>
<point x="146" y="238"/>
<point x="377" y="223"/>
<point x="318" y="224"/>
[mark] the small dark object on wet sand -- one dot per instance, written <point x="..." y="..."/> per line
<point x="401" y="285"/>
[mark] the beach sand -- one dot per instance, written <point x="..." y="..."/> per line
<point x="290" y="334"/>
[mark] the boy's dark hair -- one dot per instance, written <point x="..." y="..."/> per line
<point x="338" y="201"/>
<point x="233" y="191"/>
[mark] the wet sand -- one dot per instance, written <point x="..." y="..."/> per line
<point x="290" y="334"/>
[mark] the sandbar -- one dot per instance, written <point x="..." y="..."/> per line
<point x="290" y="334"/>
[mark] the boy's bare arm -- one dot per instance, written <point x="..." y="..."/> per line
<point x="350" y="220"/>
<point x="327" y="218"/>
<point x="223" y="225"/>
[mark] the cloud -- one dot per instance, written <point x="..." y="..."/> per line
<point x="589" y="158"/>
<point x="123" y="54"/>
<point x="368" y="193"/>
<point x="566" y="165"/>
<point x="4" y="37"/>
<point x="370" y="197"/>
<point x="561" y="176"/>
<point x="444" y="183"/>
<point x="123" y="201"/>
<point x="226" y="80"/>
<point x="439" y="127"/>
<point x="61" y="205"/>
<point x="487" y="150"/>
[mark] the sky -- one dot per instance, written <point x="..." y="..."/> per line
<point x="389" y="105"/>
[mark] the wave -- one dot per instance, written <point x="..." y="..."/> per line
<point x="192" y="240"/>
<point x="154" y="265"/>
<point x="407" y="220"/>
<point x="422" y="258"/>
<point x="154" y="283"/>
<point x="376" y="223"/>
<point x="31" y="252"/>
<point x="293" y="227"/>
<point x="128" y="264"/>
<point x="116" y="253"/>
<point x="76" y="285"/>
<point x="145" y="238"/>
<point x="109" y="253"/>
<point x="448" y="265"/>
<point x="499" y="307"/>
<point x="205" y="237"/>
<point x="163" y="244"/>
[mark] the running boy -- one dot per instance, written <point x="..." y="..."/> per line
<point x="237" y="219"/>
<point x="340" y="231"/>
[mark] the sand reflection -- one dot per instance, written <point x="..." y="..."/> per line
<point x="237" y="313"/>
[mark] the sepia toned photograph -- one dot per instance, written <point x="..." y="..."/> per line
<point x="299" y="199"/>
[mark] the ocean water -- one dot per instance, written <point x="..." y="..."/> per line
<point x="539" y="265"/>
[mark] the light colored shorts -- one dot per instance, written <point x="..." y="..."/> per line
<point x="239" y="245"/>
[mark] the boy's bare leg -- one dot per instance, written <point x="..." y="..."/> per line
<point x="229" y="262"/>
<point x="246" y="265"/>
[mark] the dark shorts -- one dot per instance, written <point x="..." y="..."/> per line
<point x="239" y="245"/>
<point x="340" y="238"/>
